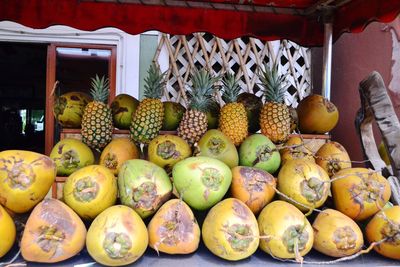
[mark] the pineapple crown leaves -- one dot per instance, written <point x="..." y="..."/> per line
<point x="100" y="89"/>
<point x="231" y="88"/>
<point x="154" y="82"/>
<point x="274" y="86"/>
<point x="201" y="94"/>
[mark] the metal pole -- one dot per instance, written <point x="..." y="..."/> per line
<point x="327" y="61"/>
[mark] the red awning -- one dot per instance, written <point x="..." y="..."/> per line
<point x="297" y="20"/>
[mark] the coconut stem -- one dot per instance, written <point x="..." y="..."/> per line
<point x="9" y="263"/>
<point x="310" y="209"/>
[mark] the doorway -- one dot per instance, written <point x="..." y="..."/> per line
<point x="28" y="72"/>
<point x="22" y="96"/>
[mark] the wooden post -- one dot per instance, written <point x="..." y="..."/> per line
<point x="377" y="106"/>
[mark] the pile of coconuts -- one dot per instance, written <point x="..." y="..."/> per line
<point x="284" y="200"/>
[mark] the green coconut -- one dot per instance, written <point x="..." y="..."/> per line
<point x="122" y="107"/>
<point x="201" y="181"/>
<point x="258" y="151"/>
<point x="143" y="186"/>
<point x="68" y="109"/>
<point x="213" y="116"/>
<point x="173" y="113"/>
<point x="70" y="155"/>
<point x="253" y="105"/>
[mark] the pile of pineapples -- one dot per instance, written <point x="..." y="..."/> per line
<point x="275" y="118"/>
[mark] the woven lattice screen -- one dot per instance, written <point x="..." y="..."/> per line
<point x="243" y="56"/>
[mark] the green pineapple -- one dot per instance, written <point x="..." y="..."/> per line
<point x="233" y="117"/>
<point x="97" y="125"/>
<point x="194" y="122"/>
<point x="148" y="118"/>
<point x="275" y="118"/>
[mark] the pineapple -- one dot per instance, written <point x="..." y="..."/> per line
<point x="97" y="125"/>
<point x="149" y="115"/>
<point x="233" y="117"/>
<point x="275" y="119"/>
<point x="194" y="121"/>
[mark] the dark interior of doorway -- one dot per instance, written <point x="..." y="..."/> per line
<point x="22" y="95"/>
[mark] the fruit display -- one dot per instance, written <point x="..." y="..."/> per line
<point x="117" y="152"/>
<point x="228" y="192"/>
<point x="123" y="107"/>
<point x="317" y="115"/>
<point x="233" y="117"/>
<point x="173" y="113"/>
<point x="215" y="144"/>
<point x="230" y="230"/>
<point x="97" y="123"/>
<point x="117" y="237"/>
<point x="275" y="118"/>
<point x="90" y="190"/>
<point x="194" y="121"/>
<point x="143" y="186"/>
<point x="174" y="229"/>
<point x="53" y="233"/>
<point x="149" y="115"/>
<point x="70" y="155"/>
<point x="25" y="179"/>
<point x="68" y="109"/>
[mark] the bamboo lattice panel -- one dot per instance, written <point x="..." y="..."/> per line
<point x="243" y="56"/>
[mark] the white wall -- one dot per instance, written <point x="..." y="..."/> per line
<point x="128" y="48"/>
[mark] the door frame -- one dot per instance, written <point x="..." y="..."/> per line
<point x="51" y="79"/>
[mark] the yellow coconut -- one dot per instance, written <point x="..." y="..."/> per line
<point x="359" y="193"/>
<point x="332" y="157"/>
<point x="282" y="226"/>
<point x="305" y="182"/>
<point x="90" y="190"/>
<point x="230" y="230"/>
<point x="53" y="233"/>
<point x="166" y="150"/>
<point x="255" y="187"/>
<point x="117" y="152"/>
<point x="70" y="155"/>
<point x="296" y="148"/>
<point x="385" y="225"/>
<point x="117" y="237"/>
<point x="174" y="229"/>
<point x="336" y="234"/>
<point x="7" y="232"/>
<point x="25" y="179"/>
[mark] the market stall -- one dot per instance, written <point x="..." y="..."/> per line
<point x="307" y="22"/>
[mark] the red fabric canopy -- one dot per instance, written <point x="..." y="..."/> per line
<point x="267" y="20"/>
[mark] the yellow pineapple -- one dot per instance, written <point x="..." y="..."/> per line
<point x="194" y="121"/>
<point x="275" y="119"/>
<point x="149" y="115"/>
<point x="97" y="125"/>
<point x="233" y="117"/>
